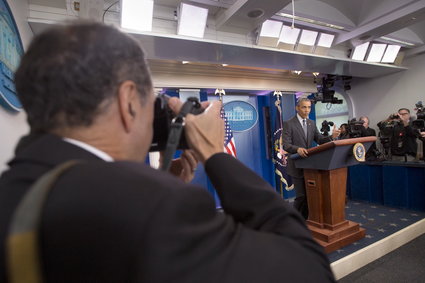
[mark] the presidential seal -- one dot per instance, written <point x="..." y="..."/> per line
<point x="359" y="152"/>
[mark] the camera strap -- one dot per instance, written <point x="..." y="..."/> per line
<point x="176" y="129"/>
<point x="23" y="253"/>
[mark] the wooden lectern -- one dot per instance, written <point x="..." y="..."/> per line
<point x="325" y="174"/>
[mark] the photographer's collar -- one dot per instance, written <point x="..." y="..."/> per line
<point x="101" y="154"/>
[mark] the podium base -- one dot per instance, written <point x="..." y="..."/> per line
<point x="332" y="240"/>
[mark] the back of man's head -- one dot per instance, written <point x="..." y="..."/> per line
<point x="70" y="73"/>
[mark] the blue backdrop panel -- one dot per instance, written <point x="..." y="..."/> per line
<point x="416" y="188"/>
<point x="395" y="186"/>
<point x="365" y="183"/>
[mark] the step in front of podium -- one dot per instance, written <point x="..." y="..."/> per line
<point x="332" y="240"/>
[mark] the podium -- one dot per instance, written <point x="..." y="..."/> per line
<point x="325" y="175"/>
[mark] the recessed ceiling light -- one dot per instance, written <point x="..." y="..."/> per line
<point x="376" y="52"/>
<point x="390" y="54"/>
<point x="137" y="15"/>
<point x="325" y="40"/>
<point x="360" y="51"/>
<point x="289" y="35"/>
<point x="311" y="21"/>
<point x="192" y="20"/>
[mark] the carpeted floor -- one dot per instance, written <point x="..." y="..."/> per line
<point x="405" y="264"/>
<point x="379" y="222"/>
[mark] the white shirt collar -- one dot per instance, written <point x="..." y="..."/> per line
<point x="101" y="154"/>
<point x="301" y="119"/>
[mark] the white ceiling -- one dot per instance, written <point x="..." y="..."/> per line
<point x="229" y="23"/>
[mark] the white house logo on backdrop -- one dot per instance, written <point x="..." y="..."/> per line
<point x="241" y="115"/>
<point x="11" y="51"/>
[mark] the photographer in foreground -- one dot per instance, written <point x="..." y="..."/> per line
<point x="402" y="137"/>
<point x="88" y="96"/>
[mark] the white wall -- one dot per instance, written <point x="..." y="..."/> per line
<point x="13" y="125"/>
<point x="379" y="97"/>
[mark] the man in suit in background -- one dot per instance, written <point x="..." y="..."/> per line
<point x="298" y="135"/>
<point x="88" y="95"/>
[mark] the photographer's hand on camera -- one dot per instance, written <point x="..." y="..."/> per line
<point x="205" y="132"/>
<point x="185" y="166"/>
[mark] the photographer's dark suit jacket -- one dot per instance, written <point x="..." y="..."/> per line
<point x="126" y="222"/>
<point x="293" y="138"/>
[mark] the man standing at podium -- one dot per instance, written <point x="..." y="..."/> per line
<point x="298" y="135"/>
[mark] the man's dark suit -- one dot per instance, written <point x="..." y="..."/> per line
<point x="293" y="137"/>
<point x="126" y="222"/>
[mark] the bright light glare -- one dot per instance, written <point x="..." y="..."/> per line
<point x="271" y="28"/>
<point x="391" y="53"/>
<point x="289" y="35"/>
<point x="137" y="15"/>
<point x="360" y="51"/>
<point x="325" y="40"/>
<point x="308" y="37"/>
<point x="192" y="20"/>
<point x="376" y="52"/>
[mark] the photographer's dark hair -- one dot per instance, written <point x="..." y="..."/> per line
<point x="70" y="73"/>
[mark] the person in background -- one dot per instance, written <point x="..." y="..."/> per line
<point x="372" y="152"/>
<point x="344" y="134"/>
<point x="88" y="95"/>
<point x="403" y="141"/>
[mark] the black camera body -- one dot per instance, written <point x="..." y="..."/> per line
<point x="419" y="123"/>
<point x="326" y="127"/>
<point x="163" y="118"/>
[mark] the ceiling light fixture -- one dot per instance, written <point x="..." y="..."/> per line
<point x="360" y="51"/>
<point x="391" y="53"/>
<point x="288" y="37"/>
<point x="307" y="41"/>
<point x="310" y="21"/>
<point x="192" y="20"/>
<point x="269" y="33"/>
<point x="376" y="52"/>
<point x="137" y="15"/>
<point x="325" y="40"/>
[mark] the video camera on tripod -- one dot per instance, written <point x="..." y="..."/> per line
<point x="419" y="123"/>
<point x="356" y="128"/>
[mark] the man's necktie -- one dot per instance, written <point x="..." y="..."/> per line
<point x="305" y="127"/>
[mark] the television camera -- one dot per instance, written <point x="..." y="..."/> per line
<point x="356" y="128"/>
<point x="419" y="123"/>
<point x="324" y="92"/>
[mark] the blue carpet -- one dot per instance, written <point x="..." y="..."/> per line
<point x="379" y="222"/>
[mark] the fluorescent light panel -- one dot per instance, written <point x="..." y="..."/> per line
<point x="325" y="40"/>
<point x="376" y="52"/>
<point x="311" y="21"/>
<point x="192" y="20"/>
<point x="289" y="35"/>
<point x="360" y="51"/>
<point x="308" y="37"/>
<point x="391" y="53"/>
<point x="271" y="28"/>
<point x="137" y="15"/>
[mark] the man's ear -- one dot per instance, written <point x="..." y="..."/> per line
<point x="127" y="101"/>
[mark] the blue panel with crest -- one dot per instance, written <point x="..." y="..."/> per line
<point x="241" y="115"/>
<point x="11" y="51"/>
